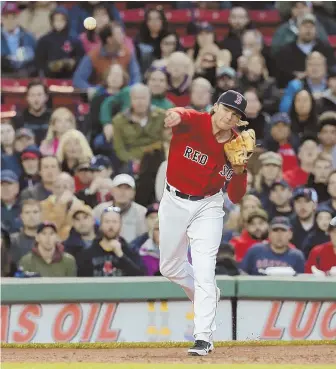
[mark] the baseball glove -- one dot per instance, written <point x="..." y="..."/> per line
<point x="240" y="149"/>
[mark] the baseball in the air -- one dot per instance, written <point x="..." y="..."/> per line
<point x="90" y="23"/>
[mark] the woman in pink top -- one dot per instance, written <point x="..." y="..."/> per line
<point x="61" y="121"/>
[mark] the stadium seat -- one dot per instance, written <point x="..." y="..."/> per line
<point x="7" y="111"/>
<point x="14" y="85"/>
<point x="187" y="41"/>
<point x="332" y="40"/>
<point x="265" y="16"/>
<point x="212" y="16"/>
<point x="179" y="16"/>
<point x="132" y="15"/>
<point x="60" y="85"/>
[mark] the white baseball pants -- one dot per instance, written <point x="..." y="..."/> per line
<point x="199" y="223"/>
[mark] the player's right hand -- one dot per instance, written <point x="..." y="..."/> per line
<point x="172" y="118"/>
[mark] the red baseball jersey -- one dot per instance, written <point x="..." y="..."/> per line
<point x="197" y="164"/>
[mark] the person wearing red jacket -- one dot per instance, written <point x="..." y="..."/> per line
<point x="192" y="204"/>
<point x="256" y="231"/>
<point x="323" y="257"/>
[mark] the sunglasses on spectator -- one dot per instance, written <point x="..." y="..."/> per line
<point x="114" y="209"/>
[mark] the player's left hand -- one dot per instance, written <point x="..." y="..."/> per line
<point x="240" y="149"/>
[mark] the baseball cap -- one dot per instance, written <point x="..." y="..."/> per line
<point x="332" y="224"/>
<point x="121" y="179"/>
<point x="280" y="117"/>
<point x="225" y="71"/>
<point x="82" y="209"/>
<point x="100" y="162"/>
<point x="270" y="157"/>
<point x="153" y="208"/>
<point x="31" y="152"/>
<point x="258" y="213"/>
<point x="9" y="176"/>
<point x="324" y="209"/>
<point x="204" y="26"/>
<point x="332" y="71"/>
<point x="234" y="100"/>
<point x="307" y="18"/>
<point x="308" y="193"/>
<point x="281" y="222"/>
<point x="282" y="183"/>
<point x="24" y="132"/>
<point x="43" y="225"/>
<point x="10" y="8"/>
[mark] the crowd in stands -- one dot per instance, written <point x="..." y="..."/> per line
<point x="83" y="164"/>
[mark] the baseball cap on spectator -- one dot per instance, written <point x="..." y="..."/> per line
<point x="324" y="209"/>
<point x="308" y="193"/>
<point x="204" y="26"/>
<point x="100" y="162"/>
<point x="43" y="225"/>
<point x="327" y="118"/>
<point x="281" y="222"/>
<point x="9" y="176"/>
<point x="309" y="17"/>
<point x="225" y="71"/>
<point x="10" y="8"/>
<point x="153" y="208"/>
<point x="258" y="213"/>
<point x="332" y="224"/>
<point x="282" y="183"/>
<point x="83" y="209"/>
<point x="280" y="118"/>
<point x="121" y="179"/>
<point x="24" y="132"/>
<point x="270" y="157"/>
<point x="31" y="152"/>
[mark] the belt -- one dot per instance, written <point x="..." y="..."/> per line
<point x="183" y="195"/>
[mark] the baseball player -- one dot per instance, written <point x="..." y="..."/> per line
<point x="206" y="154"/>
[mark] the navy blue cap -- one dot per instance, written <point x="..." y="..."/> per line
<point x="281" y="222"/>
<point x="153" y="208"/>
<point x="204" y="26"/>
<point x="43" y="225"/>
<point x="282" y="183"/>
<point x="280" y="117"/>
<point x="100" y="162"/>
<point x="324" y="209"/>
<point x="309" y="193"/>
<point x="235" y="100"/>
<point x="8" y="175"/>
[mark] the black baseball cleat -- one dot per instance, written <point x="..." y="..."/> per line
<point x="200" y="348"/>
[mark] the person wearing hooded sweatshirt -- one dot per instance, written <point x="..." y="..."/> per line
<point x="57" y="53"/>
<point x="320" y="235"/>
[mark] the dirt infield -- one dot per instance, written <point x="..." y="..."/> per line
<point x="321" y="354"/>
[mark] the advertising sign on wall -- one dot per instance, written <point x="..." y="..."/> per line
<point x="106" y="322"/>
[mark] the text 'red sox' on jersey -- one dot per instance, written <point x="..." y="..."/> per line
<point x="197" y="164"/>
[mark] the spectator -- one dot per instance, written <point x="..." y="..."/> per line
<point x="138" y="129"/>
<point x="47" y="257"/>
<point x="132" y="214"/>
<point x="179" y="71"/>
<point x="9" y="158"/>
<point x="200" y="95"/>
<point x="315" y="81"/>
<point x="225" y="80"/>
<point x="256" y="76"/>
<point x="150" y="252"/>
<point x="150" y="35"/>
<point x="238" y="23"/>
<point x="109" y="254"/>
<point x="57" y="208"/>
<point x="10" y="205"/>
<point x="320" y="235"/>
<point x="327" y="100"/>
<point x="226" y="263"/>
<point x="30" y="161"/>
<point x="280" y="200"/>
<point x="61" y="121"/>
<point x="100" y="188"/>
<point x="318" y="179"/>
<point x="289" y="30"/>
<point x="168" y="45"/>
<point x="256" y="231"/>
<point x="93" y="67"/>
<point x="327" y="134"/>
<point x="83" y="175"/>
<point x="82" y="233"/>
<point x="276" y="253"/>
<point x="23" y="138"/>
<point x="37" y="115"/>
<point x="303" y="223"/>
<point x="206" y="63"/>
<point x="35" y="18"/>
<point x="269" y="172"/>
<point x="290" y="60"/>
<point x="23" y="241"/>
<point x="17" y="45"/>
<point x="331" y="203"/>
<point x="72" y="149"/>
<point x="324" y="12"/>
<point x="279" y="139"/>
<point x="257" y="118"/>
<point x="49" y="170"/>
<point x="205" y="36"/>
<point x="303" y="114"/>
<point x="307" y="154"/>
<point x="8" y="268"/>
<point x="323" y="257"/>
